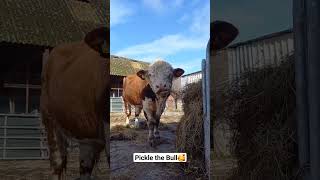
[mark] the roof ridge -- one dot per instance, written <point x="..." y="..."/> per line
<point x="129" y="59"/>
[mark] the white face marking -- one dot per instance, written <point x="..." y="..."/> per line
<point x="160" y="75"/>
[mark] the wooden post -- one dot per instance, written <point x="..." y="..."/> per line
<point x="302" y="118"/>
<point x="312" y="10"/>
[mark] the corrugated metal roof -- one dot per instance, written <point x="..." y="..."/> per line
<point x="190" y="74"/>
<point x="121" y="66"/>
<point x="47" y="22"/>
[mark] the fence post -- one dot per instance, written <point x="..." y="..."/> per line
<point x="5" y="137"/>
<point x="206" y="113"/>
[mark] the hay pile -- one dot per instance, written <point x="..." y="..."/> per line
<point x="190" y="130"/>
<point x="260" y="110"/>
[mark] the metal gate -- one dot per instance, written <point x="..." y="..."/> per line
<point x="22" y="137"/>
<point x="116" y="104"/>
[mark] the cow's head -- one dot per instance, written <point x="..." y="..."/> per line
<point x="221" y="34"/>
<point x="160" y="75"/>
<point x="99" y="39"/>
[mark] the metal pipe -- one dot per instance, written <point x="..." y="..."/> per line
<point x="302" y="119"/>
<point x="313" y="67"/>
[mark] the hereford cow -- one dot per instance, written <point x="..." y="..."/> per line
<point x="75" y="82"/>
<point x="149" y="90"/>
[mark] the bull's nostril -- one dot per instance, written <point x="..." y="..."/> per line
<point x="157" y="86"/>
<point x="165" y="85"/>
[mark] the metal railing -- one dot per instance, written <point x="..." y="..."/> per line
<point x="116" y="104"/>
<point x="22" y="137"/>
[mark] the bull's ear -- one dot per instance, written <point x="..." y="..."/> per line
<point x="142" y="74"/>
<point x="178" y="72"/>
<point x="99" y="40"/>
<point x="222" y="34"/>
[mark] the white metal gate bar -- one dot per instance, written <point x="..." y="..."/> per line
<point x="116" y="104"/>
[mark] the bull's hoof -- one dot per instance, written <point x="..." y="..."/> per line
<point x="151" y="144"/>
<point x="151" y="141"/>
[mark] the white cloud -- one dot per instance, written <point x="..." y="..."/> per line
<point x="164" y="46"/>
<point x="119" y="11"/>
<point x="161" y="6"/>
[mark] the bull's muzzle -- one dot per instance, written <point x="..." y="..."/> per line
<point x="163" y="93"/>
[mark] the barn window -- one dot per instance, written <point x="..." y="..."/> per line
<point x="115" y="92"/>
<point x="4" y="104"/>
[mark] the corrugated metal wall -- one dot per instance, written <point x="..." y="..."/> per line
<point x="260" y="53"/>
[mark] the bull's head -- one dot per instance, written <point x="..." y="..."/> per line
<point x="160" y="76"/>
<point x="221" y="34"/>
<point x="99" y="40"/>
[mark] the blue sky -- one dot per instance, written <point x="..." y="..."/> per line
<point x="174" y="30"/>
<point x="254" y="18"/>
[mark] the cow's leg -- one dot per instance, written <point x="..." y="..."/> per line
<point x="127" y="107"/>
<point x="176" y="103"/>
<point x="58" y="154"/>
<point x="89" y="154"/>
<point x="137" y="112"/>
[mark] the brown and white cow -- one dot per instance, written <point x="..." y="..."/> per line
<point x="149" y="90"/>
<point x="75" y="82"/>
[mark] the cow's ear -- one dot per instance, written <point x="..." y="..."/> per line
<point x="178" y="72"/>
<point x="222" y="34"/>
<point x="99" y="40"/>
<point x="142" y="74"/>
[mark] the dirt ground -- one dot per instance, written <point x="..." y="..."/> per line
<point x="221" y="169"/>
<point x="40" y="169"/>
<point x="122" y="166"/>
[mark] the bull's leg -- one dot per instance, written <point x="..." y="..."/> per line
<point x="151" y="125"/>
<point x="89" y="154"/>
<point x="58" y="154"/>
<point x="151" y="133"/>
<point x="156" y="131"/>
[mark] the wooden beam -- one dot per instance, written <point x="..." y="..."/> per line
<point x="21" y="86"/>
